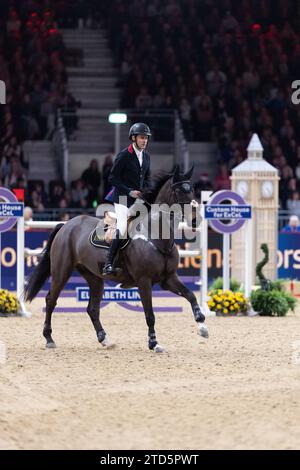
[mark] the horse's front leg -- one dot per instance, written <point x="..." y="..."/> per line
<point x="145" y="290"/>
<point x="174" y="284"/>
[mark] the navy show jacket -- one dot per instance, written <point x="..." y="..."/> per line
<point x="128" y="175"/>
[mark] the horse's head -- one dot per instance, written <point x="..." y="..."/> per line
<point x="174" y="189"/>
<point x="183" y="194"/>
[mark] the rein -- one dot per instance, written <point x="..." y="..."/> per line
<point x="186" y="187"/>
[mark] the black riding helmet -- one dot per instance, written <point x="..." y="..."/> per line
<point x="139" y="128"/>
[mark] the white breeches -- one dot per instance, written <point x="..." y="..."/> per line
<point x="122" y="216"/>
<point x="122" y="213"/>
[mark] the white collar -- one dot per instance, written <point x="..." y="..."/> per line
<point x="137" y="151"/>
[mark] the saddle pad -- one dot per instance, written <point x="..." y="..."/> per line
<point x="101" y="243"/>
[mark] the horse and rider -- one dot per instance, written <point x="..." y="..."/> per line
<point x="145" y="261"/>
<point x="130" y="175"/>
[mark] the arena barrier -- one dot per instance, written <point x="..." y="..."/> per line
<point x="182" y="253"/>
<point x="12" y="211"/>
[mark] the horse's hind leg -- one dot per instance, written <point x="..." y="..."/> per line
<point x="174" y="284"/>
<point x="59" y="279"/>
<point x="96" y="286"/>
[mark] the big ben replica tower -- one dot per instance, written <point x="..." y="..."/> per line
<point x="257" y="182"/>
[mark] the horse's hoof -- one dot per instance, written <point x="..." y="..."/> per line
<point x="107" y="343"/>
<point x="202" y="330"/>
<point x="51" y="345"/>
<point x="158" y="349"/>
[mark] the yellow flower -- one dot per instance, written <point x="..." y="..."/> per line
<point x="236" y="305"/>
<point x="8" y="302"/>
<point x="225" y="310"/>
<point x="231" y="308"/>
<point x="226" y="304"/>
<point x="219" y="306"/>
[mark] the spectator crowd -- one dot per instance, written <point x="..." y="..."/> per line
<point x="32" y="67"/>
<point x="84" y="193"/>
<point x="226" y="66"/>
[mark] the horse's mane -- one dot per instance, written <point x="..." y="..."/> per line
<point x="150" y="194"/>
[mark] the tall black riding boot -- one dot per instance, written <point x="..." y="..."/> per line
<point x="112" y="254"/>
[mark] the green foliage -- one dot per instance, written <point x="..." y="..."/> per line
<point x="218" y="285"/>
<point x="277" y="285"/>
<point x="262" y="279"/>
<point x="273" y="302"/>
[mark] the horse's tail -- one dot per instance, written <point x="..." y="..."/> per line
<point x="42" y="271"/>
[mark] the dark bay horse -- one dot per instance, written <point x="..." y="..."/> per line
<point x="144" y="262"/>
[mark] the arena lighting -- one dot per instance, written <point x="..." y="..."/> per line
<point x="117" y="118"/>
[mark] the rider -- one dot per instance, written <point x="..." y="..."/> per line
<point x="129" y="175"/>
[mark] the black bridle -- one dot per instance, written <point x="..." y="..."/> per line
<point x="184" y="187"/>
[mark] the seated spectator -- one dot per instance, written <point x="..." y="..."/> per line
<point x="285" y="186"/>
<point x="64" y="217"/>
<point x="79" y="193"/>
<point x="12" y="149"/>
<point x="222" y="180"/>
<point x="143" y="99"/>
<point x="91" y="177"/>
<point x="229" y="23"/>
<point x="293" y="203"/>
<point x="35" y="200"/>
<point x="28" y="216"/>
<point x="292" y="226"/>
<point x="41" y="194"/>
<point x="202" y="184"/>
<point x="56" y="194"/>
<point x="15" y="173"/>
<point x="215" y="79"/>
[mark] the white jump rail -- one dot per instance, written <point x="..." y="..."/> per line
<point x="43" y="223"/>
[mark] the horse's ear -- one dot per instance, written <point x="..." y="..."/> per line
<point x="176" y="172"/>
<point x="189" y="173"/>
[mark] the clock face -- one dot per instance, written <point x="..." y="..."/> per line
<point x="267" y="189"/>
<point x="242" y="188"/>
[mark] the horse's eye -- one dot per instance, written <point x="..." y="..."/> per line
<point x="186" y="188"/>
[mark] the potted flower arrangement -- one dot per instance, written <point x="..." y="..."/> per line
<point x="228" y="303"/>
<point x="9" y="305"/>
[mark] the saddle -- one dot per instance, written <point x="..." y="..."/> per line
<point x="103" y="234"/>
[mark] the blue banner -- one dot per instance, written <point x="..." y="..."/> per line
<point x="11" y="209"/>
<point x="111" y="294"/>
<point x="33" y="240"/>
<point x="227" y="211"/>
<point x="288" y="256"/>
